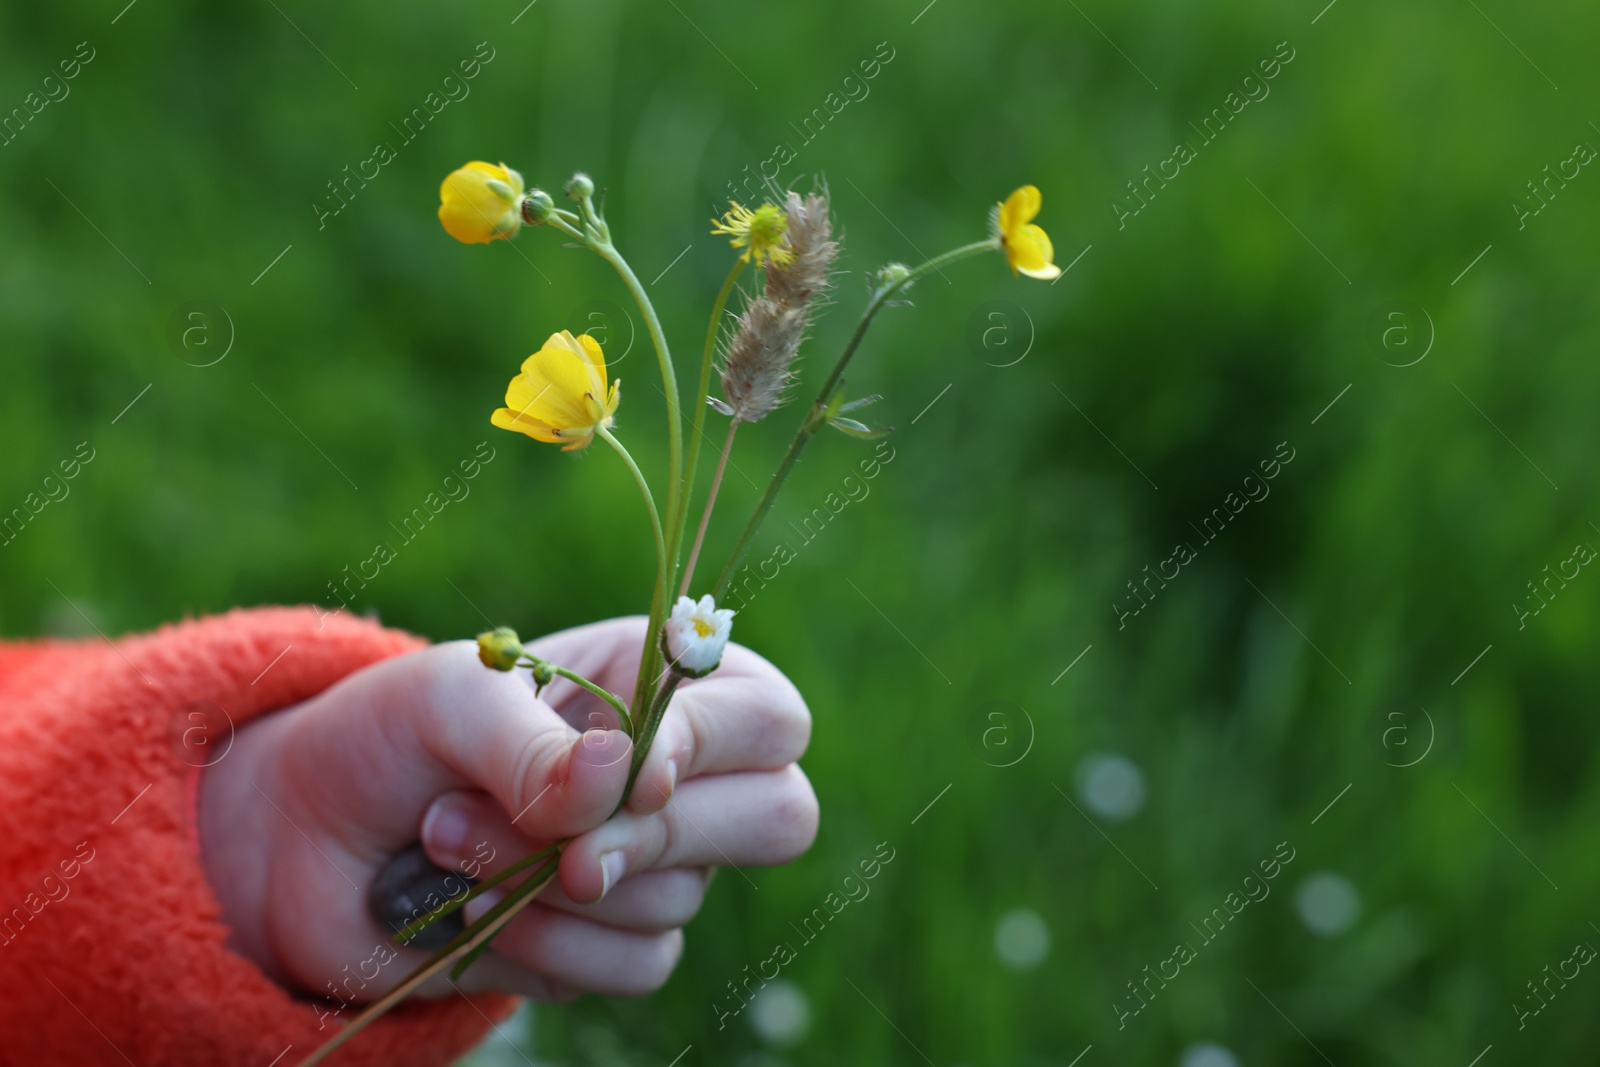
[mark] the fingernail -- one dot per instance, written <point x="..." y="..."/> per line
<point x="602" y="748"/>
<point x="446" y="826"/>
<point x="672" y="777"/>
<point x="612" y="866"/>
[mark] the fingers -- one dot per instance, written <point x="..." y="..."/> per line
<point x="468" y="831"/>
<point x="748" y="819"/>
<point x="745" y="717"/>
<point x="652" y="902"/>
<point x="756" y="818"/>
<point x="490" y="729"/>
<point x="544" y="950"/>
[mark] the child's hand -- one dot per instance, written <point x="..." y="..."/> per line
<point x="313" y="800"/>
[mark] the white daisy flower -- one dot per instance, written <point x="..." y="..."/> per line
<point x="696" y="634"/>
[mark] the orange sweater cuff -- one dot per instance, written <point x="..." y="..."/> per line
<point x="112" y="946"/>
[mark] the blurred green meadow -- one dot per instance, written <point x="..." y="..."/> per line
<point x="1077" y="740"/>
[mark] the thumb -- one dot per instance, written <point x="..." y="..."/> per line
<point x="486" y="729"/>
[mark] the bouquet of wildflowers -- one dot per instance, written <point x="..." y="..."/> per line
<point x="562" y="395"/>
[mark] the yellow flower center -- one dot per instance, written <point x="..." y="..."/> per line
<point x="759" y="232"/>
<point x="703" y="628"/>
<point x="768" y="225"/>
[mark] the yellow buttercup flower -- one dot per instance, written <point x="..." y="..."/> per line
<point x="759" y="232"/>
<point x="1027" y="247"/>
<point x="481" y="202"/>
<point x="561" y="396"/>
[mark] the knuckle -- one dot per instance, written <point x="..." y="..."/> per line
<point x="793" y="716"/>
<point x="664" y="843"/>
<point x="694" y="730"/>
<point x="684" y="895"/>
<point x="761" y="716"/>
<point x="781" y="701"/>
<point x="442" y="679"/>
<point x="662" y="958"/>
<point x="795" y="813"/>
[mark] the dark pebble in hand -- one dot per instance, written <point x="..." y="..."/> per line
<point x="407" y="888"/>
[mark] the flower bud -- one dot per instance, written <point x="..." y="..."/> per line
<point x="478" y="203"/>
<point x="893" y="274"/>
<point x="581" y="187"/>
<point x="537" y="207"/>
<point x="499" y="648"/>
<point x="543" y="674"/>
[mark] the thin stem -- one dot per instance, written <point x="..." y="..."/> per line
<point x="666" y="576"/>
<point x="711" y="502"/>
<point x="649" y="666"/>
<point x="540" y="877"/>
<point x="644" y="489"/>
<point x="463" y="944"/>
<point x="416" y="926"/>
<point x="604" y="694"/>
<point x="814" y="420"/>
<point x="691" y="462"/>
<point x="669" y="382"/>
<point x="649" y="656"/>
<point x="647" y="732"/>
<point x="596" y="235"/>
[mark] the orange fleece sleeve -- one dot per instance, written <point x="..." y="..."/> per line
<point x="112" y="945"/>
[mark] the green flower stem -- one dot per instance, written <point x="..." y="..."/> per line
<point x="691" y="461"/>
<point x="515" y="898"/>
<point x="604" y="694"/>
<point x="416" y="926"/>
<point x="669" y="384"/>
<point x="649" y="665"/>
<point x="463" y="945"/>
<point x="643" y="690"/>
<point x="649" y="656"/>
<point x="814" y="418"/>
<point x="647" y="732"/>
<point x="596" y="235"/>
<point x="644" y="489"/>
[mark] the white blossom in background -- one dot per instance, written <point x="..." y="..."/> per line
<point x="1208" y="1054"/>
<point x="1111" y="786"/>
<point x="1021" y="939"/>
<point x="1328" y="903"/>
<point x="780" y="1014"/>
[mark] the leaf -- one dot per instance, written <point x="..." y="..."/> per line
<point x="858" y="430"/>
<point x="863" y="402"/>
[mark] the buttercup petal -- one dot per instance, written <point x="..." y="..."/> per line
<point x="589" y="349"/>
<point x="1032" y="254"/>
<point x="506" y="419"/>
<point x="1020" y="208"/>
<point x="562" y="378"/>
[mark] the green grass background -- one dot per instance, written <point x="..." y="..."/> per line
<point x="1213" y="325"/>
